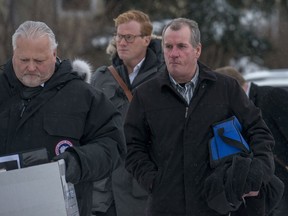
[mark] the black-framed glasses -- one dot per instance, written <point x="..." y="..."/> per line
<point x="129" y="38"/>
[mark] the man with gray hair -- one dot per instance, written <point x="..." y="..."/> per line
<point x="169" y="125"/>
<point x="44" y="103"/>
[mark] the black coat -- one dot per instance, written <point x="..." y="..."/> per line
<point x="66" y="110"/>
<point x="167" y="140"/>
<point x="273" y="103"/>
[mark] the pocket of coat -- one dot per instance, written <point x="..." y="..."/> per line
<point x="137" y="190"/>
<point x="102" y="185"/>
<point x="67" y="126"/>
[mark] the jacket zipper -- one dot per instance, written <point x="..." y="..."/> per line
<point x="25" y="103"/>
<point x="186" y="113"/>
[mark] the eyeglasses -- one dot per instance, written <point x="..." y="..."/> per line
<point x="129" y="38"/>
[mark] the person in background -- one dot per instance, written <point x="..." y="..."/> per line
<point x="136" y="55"/>
<point x="44" y="103"/>
<point x="273" y="102"/>
<point x="168" y="127"/>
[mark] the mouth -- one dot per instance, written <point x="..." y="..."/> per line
<point x="122" y="50"/>
<point x="174" y="63"/>
<point x="31" y="75"/>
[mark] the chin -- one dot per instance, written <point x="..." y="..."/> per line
<point x="31" y="83"/>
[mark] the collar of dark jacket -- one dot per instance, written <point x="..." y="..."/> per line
<point x="150" y="60"/>
<point x="205" y="75"/>
<point x="62" y="74"/>
<point x="253" y="92"/>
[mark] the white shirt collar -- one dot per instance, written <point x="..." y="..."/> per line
<point x="135" y="71"/>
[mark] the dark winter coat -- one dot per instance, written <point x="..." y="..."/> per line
<point x="273" y="103"/>
<point x="67" y="109"/>
<point x="130" y="198"/>
<point x="167" y="139"/>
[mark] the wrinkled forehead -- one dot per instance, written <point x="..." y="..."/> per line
<point x="182" y="35"/>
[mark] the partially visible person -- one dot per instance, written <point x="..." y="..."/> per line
<point x="273" y="102"/>
<point x="168" y="127"/>
<point x="136" y="55"/>
<point x="44" y="103"/>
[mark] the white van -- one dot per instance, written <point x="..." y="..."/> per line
<point x="275" y="77"/>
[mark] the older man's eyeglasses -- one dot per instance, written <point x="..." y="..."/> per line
<point x="129" y="38"/>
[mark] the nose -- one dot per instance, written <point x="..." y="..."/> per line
<point x="174" y="52"/>
<point x="31" y="66"/>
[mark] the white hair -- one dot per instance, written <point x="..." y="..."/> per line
<point x="34" y="29"/>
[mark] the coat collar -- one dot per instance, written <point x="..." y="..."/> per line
<point x="253" y="91"/>
<point x="205" y="75"/>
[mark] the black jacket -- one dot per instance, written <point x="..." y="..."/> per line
<point x="167" y="139"/>
<point x="66" y="110"/>
<point x="273" y="103"/>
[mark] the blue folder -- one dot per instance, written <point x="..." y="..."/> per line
<point x="227" y="141"/>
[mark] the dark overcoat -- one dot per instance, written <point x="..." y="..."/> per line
<point x="167" y="139"/>
<point x="273" y="102"/>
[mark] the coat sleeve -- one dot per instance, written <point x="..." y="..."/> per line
<point x="138" y="161"/>
<point x="103" y="80"/>
<point x="103" y="143"/>
<point x="255" y="130"/>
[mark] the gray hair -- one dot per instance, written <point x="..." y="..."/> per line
<point x="178" y="23"/>
<point x="33" y="29"/>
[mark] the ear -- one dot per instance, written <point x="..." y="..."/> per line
<point x="198" y="50"/>
<point x="55" y="53"/>
<point x="147" y="40"/>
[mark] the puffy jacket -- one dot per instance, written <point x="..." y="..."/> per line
<point x="66" y="111"/>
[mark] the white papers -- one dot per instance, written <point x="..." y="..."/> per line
<point x="9" y="162"/>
